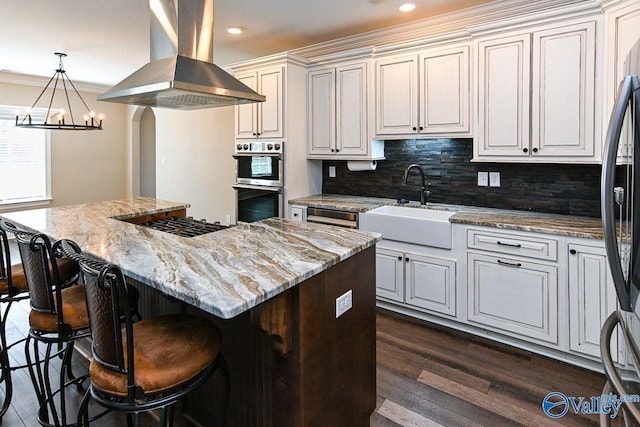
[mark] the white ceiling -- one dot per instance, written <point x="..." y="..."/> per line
<point x="107" y="40"/>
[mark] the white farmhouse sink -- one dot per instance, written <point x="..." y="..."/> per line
<point x="421" y="226"/>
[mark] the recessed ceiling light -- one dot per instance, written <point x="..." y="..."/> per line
<point x="235" y="30"/>
<point x="407" y="7"/>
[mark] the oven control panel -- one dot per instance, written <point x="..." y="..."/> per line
<point x="259" y="147"/>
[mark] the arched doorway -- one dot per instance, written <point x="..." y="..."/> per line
<point x="148" y="153"/>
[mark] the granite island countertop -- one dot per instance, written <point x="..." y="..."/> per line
<point x="564" y="225"/>
<point x="224" y="273"/>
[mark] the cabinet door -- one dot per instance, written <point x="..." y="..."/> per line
<point x="563" y="73"/>
<point x="270" y="112"/>
<point x="390" y="274"/>
<point x="503" y="97"/>
<point x="351" y="110"/>
<point x="592" y="298"/>
<point x="321" y="102"/>
<point x="431" y="283"/>
<point x="513" y="295"/>
<point x="246" y="114"/>
<point x="397" y="95"/>
<point x="444" y="90"/>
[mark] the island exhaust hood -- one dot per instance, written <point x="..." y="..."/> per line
<point x="181" y="74"/>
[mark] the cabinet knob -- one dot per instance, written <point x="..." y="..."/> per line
<point x="535" y="150"/>
<point x="259" y="134"/>
<point x="415" y="128"/>
<point x="407" y="259"/>
<point x="295" y="214"/>
<point x="525" y="150"/>
<point x="337" y="150"/>
<point x="421" y="128"/>
<point x="399" y="257"/>
<point x="255" y="134"/>
<point x="333" y="151"/>
<point x="573" y="251"/>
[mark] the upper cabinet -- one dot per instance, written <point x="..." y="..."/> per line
<point x="262" y="119"/>
<point x="338" y="113"/>
<point x="536" y="96"/>
<point x="423" y="94"/>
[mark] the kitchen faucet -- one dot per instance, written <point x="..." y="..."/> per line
<point x="424" y="192"/>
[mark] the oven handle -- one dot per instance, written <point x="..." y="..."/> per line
<point x="259" y="187"/>
<point x="238" y="155"/>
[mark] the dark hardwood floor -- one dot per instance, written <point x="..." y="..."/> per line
<point x="430" y="376"/>
<point x="426" y="376"/>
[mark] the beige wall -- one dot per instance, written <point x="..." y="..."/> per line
<point x="85" y="165"/>
<point x="198" y="168"/>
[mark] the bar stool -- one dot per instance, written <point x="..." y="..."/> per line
<point x="13" y="288"/>
<point x="172" y="355"/>
<point x="58" y="318"/>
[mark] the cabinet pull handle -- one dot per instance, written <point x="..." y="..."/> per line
<point x="573" y="251"/>
<point x="510" y="264"/>
<point x="513" y="245"/>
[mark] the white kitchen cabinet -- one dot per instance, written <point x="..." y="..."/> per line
<point x="338" y="114"/>
<point x="423" y="94"/>
<point x="298" y="213"/>
<point x="390" y="274"/>
<point x="262" y="119"/>
<point x="536" y="93"/>
<point x="513" y="295"/>
<point x="417" y="280"/>
<point x="592" y="298"/>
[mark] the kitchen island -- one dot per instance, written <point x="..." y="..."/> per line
<point x="271" y="287"/>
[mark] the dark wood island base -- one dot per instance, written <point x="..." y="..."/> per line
<point x="327" y="378"/>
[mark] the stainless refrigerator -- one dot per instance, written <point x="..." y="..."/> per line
<point x="620" y="194"/>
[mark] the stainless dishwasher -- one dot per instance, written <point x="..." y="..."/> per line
<point x="333" y="217"/>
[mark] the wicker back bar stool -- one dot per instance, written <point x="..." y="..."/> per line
<point x="14" y="288"/>
<point x="147" y="365"/>
<point x="58" y="318"/>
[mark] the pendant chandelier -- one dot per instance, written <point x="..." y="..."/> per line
<point x="60" y="119"/>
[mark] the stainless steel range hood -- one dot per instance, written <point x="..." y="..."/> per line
<point x="181" y="73"/>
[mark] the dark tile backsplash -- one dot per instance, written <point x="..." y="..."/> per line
<point x="553" y="188"/>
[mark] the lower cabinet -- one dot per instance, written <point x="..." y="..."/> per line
<point x="592" y="298"/>
<point x="417" y="280"/>
<point x="513" y="295"/>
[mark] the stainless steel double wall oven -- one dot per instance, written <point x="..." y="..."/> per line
<point x="259" y="180"/>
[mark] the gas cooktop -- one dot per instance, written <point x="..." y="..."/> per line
<point x="184" y="227"/>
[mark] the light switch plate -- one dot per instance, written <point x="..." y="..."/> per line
<point x="483" y="179"/>
<point x="332" y="171"/>
<point x="494" y="179"/>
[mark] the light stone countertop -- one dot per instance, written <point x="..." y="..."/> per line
<point x="224" y="273"/>
<point x="564" y="225"/>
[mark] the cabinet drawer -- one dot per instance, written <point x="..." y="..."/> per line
<point x="513" y="244"/>
<point x="512" y="295"/>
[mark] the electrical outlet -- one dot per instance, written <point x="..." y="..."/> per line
<point x="344" y="303"/>
<point x="332" y="171"/>
<point x="228" y="219"/>
<point x="494" y="179"/>
<point x="483" y="179"/>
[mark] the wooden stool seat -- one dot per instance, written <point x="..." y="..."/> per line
<point x="168" y="352"/>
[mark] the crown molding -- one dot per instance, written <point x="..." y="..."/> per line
<point x="275" y="59"/>
<point x="452" y="26"/>
<point x="39" y="81"/>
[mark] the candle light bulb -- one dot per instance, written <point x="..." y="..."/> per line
<point x="101" y="116"/>
<point x="92" y="114"/>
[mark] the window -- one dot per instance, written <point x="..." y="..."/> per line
<point x="24" y="160"/>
